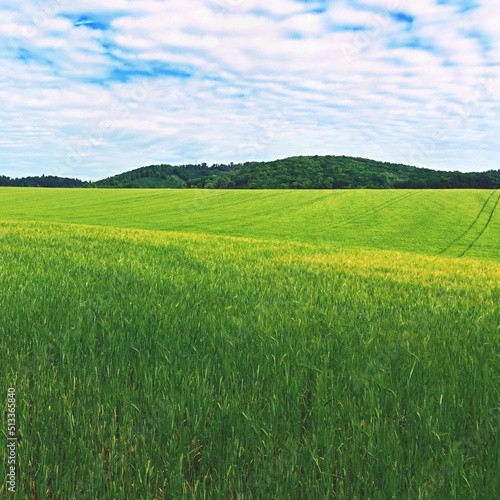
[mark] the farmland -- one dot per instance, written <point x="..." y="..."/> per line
<point x="265" y="344"/>
<point x="430" y="222"/>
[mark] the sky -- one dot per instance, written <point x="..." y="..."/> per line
<point x="93" y="88"/>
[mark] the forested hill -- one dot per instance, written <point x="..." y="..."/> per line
<point x="301" y="172"/>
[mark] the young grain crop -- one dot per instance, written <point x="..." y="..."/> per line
<point x="430" y="222"/>
<point x="150" y="364"/>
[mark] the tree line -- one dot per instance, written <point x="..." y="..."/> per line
<point x="300" y="172"/>
<point x="42" y="181"/>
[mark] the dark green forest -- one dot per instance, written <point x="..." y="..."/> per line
<point x="299" y="172"/>
<point x="42" y="181"/>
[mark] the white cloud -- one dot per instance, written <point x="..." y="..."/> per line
<point x="92" y="88"/>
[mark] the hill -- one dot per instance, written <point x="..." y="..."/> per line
<point x="301" y="172"/>
<point x="298" y="172"/>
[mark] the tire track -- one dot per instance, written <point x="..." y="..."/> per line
<point x="485" y="227"/>
<point x="464" y="234"/>
<point x="376" y="209"/>
<point x="463" y="237"/>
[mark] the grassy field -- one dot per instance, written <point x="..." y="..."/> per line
<point x="449" y="222"/>
<point x="189" y="344"/>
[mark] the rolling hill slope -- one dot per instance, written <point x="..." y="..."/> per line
<point x="452" y="223"/>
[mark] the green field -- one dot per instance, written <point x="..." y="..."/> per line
<point x="430" y="222"/>
<point x="264" y="344"/>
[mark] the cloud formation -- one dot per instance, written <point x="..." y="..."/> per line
<point x="88" y="90"/>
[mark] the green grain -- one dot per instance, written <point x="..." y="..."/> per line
<point x="159" y="364"/>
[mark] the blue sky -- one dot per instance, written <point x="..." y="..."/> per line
<point x="91" y="88"/>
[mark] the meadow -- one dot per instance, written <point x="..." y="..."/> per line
<point x="267" y="344"/>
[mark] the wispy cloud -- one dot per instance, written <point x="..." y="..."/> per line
<point x="89" y="90"/>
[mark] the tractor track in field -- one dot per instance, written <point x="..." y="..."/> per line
<point x="482" y="212"/>
<point x="280" y="209"/>
<point x="376" y="209"/>
<point x="485" y="226"/>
